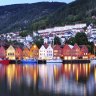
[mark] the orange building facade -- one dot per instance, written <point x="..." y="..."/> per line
<point x="34" y="52"/>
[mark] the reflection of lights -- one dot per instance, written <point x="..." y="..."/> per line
<point x="86" y="69"/>
<point x="95" y="74"/>
<point x="89" y="67"/>
<point x="77" y="75"/>
<point x="80" y="67"/>
<point x="73" y="67"/>
<point x="10" y="73"/>
<point x="65" y="67"/>
<point x="69" y="67"/>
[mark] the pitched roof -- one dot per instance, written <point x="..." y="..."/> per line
<point x="57" y="47"/>
<point x="46" y="45"/>
<point x="76" y="47"/>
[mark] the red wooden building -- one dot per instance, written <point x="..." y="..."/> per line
<point x="2" y="52"/>
<point x="67" y="52"/>
<point x="57" y="51"/>
<point x="84" y="52"/>
<point x="19" y="53"/>
<point x="75" y="52"/>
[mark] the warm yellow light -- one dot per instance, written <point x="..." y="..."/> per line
<point x="95" y="74"/>
<point x="34" y="46"/>
<point x="77" y="75"/>
<point x="69" y="67"/>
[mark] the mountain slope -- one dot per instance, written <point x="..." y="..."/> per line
<point x="19" y="16"/>
<point x="79" y="11"/>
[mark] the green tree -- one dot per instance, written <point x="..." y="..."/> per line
<point x="24" y="33"/>
<point x="81" y="38"/>
<point x="57" y="40"/>
<point x="71" y="41"/>
<point x="38" y="41"/>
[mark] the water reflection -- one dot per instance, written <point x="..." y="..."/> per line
<point x="58" y="79"/>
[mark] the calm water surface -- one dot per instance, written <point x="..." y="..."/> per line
<point x="48" y="80"/>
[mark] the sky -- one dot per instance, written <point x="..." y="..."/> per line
<point x="8" y="2"/>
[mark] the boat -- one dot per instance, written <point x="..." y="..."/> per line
<point x="29" y="61"/>
<point x="93" y="61"/>
<point x="54" y="61"/>
<point x="4" y="62"/>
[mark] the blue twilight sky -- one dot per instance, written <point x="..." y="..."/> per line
<point x="8" y="2"/>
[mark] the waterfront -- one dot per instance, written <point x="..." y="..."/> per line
<point x="47" y="80"/>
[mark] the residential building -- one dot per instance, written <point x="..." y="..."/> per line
<point x="19" y="53"/>
<point x="34" y="51"/>
<point x="49" y="52"/>
<point x="42" y="52"/>
<point x="2" y="52"/>
<point x="26" y="53"/>
<point x="57" y="51"/>
<point x="10" y="53"/>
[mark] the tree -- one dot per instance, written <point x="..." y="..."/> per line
<point x="24" y="33"/>
<point x="38" y="41"/>
<point x="71" y="41"/>
<point x="57" y="40"/>
<point x="81" y="38"/>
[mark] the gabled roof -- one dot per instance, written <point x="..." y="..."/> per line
<point x="76" y="47"/>
<point x="50" y="46"/>
<point x="46" y="45"/>
<point x="42" y="47"/>
<point x="10" y="48"/>
<point x="2" y="49"/>
<point x="57" y="47"/>
<point x="18" y="48"/>
<point x="66" y="47"/>
<point x="84" y="48"/>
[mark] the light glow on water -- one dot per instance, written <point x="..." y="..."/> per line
<point x="51" y="78"/>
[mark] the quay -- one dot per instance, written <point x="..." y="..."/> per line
<point x="45" y="61"/>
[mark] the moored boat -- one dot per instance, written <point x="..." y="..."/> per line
<point x="54" y="61"/>
<point x="4" y="62"/>
<point x="29" y="61"/>
<point x="93" y="61"/>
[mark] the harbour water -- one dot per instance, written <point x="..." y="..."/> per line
<point x="48" y="80"/>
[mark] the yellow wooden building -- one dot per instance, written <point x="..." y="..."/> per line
<point x="10" y="53"/>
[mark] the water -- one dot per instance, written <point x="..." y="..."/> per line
<point x="48" y="80"/>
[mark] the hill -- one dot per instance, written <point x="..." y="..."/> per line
<point x="20" y="16"/>
<point x="79" y="11"/>
<point x="46" y="14"/>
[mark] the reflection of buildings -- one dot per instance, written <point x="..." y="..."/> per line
<point x="76" y="69"/>
<point x="47" y="74"/>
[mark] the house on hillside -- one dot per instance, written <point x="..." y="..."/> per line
<point x="34" y="52"/>
<point x="2" y="52"/>
<point x="10" y="53"/>
<point x="19" y="53"/>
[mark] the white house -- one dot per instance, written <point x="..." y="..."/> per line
<point x="49" y="52"/>
<point x="29" y="38"/>
<point x="42" y="52"/>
